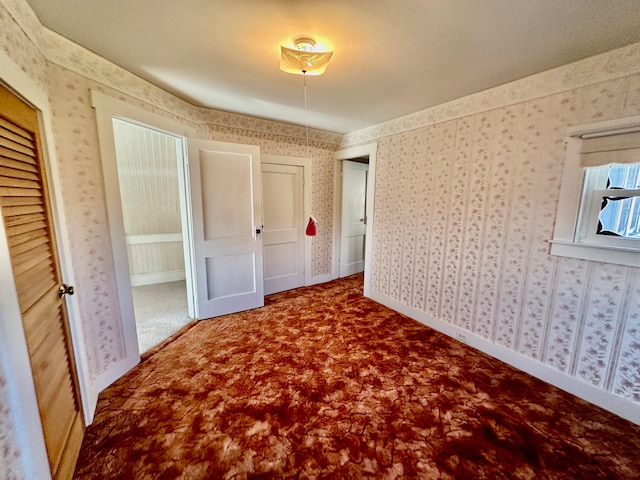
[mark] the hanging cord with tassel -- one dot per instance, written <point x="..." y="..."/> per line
<point x="306" y="119"/>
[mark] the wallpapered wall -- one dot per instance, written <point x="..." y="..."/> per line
<point x="83" y="193"/>
<point x="465" y="203"/>
<point x="149" y="189"/>
<point x="68" y="73"/>
<point x="10" y="467"/>
<point x="464" y="210"/>
<point x="17" y="45"/>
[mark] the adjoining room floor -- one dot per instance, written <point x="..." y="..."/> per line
<point x="160" y="310"/>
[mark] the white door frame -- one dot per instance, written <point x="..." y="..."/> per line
<point x="305" y="163"/>
<point x="369" y="150"/>
<point x="106" y="108"/>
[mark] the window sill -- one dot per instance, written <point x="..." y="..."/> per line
<point x="596" y="253"/>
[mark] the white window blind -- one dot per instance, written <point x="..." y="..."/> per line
<point x="619" y="148"/>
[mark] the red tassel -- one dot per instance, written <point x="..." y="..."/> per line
<point x="311" y="227"/>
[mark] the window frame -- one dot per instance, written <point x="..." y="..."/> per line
<point x="571" y="218"/>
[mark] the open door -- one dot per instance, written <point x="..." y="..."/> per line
<point x="226" y="203"/>
<point x="354" y="225"/>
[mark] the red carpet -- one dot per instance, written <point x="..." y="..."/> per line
<point x="324" y="383"/>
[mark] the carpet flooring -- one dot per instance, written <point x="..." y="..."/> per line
<point x="160" y="310"/>
<point x="324" y="383"/>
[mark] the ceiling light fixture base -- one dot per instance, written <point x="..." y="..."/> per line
<point x="303" y="59"/>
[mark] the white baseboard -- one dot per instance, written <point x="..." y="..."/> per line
<point x="319" y="279"/>
<point x="620" y="406"/>
<point x="159" y="277"/>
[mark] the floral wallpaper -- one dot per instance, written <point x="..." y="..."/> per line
<point x="465" y="203"/>
<point x="10" y="467"/>
<point x="464" y="211"/>
<point x="83" y="193"/>
<point x="15" y="44"/>
<point x="68" y="73"/>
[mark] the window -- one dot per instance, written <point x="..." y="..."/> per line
<point x="599" y="209"/>
<point x="610" y="207"/>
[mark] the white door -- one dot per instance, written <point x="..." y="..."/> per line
<point x="353" y="228"/>
<point x="283" y="240"/>
<point x="226" y="203"/>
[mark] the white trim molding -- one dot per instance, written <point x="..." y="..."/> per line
<point x="106" y="108"/>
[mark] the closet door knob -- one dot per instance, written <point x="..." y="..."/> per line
<point x="65" y="289"/>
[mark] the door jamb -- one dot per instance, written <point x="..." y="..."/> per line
<point x="106" y="108"/>
<point x="369" y="150"/>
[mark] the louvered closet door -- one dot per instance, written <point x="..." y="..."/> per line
<point x="27" y="217"/>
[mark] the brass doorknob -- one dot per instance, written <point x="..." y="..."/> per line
<point x="65" y="289"/>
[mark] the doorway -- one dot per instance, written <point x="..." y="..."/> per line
<point x="353" y="218"/>
<point x="364" y="155"/>
<point x="148" y="173"/>
<point x="286" y="194"/>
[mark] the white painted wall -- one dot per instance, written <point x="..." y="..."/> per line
<point x="148" y="173"/>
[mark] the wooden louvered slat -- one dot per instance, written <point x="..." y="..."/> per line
<point x="29" y="229"/>
<point x="15" y="220"/>
<point x="18" y="201"/>
<point x="36" y="329"/>
<point x="52" y="377"/>
<point x="28" y="245"/>
<point x="21" y="229"/>
<point x="16" y="147"/>
<point x="19" y="183"/>
<point x="17" y="173"/>
<point x="34" y="279"/>
<point x="48" y="369"/>
<point x="17" y="161"/>
<point x="12" y="127"/>
<point x="18" y="156"/>
<point x="25" y="261"/>
<point x="31" y="294"/>
<point x="57" y="422"/>
<point x="67" y="464"/>
<point x="35" y="285"/>
<point x="9" y="134"/>
<point x="22" y="210"/>
<point x="19" y="192"/>
<point x="24" y="237"/>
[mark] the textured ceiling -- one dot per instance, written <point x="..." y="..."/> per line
<point x="392" y="57"/>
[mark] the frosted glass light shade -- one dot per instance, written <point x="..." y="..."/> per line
<point x="293" y="60"/>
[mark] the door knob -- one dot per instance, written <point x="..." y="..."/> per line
<point x="65" y="289"/>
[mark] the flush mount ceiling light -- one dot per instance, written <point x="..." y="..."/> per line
<point x="303" y="59"/>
